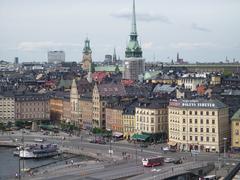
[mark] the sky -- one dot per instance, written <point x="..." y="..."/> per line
<point x="200" y="30"/>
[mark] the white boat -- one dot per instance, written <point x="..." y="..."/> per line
<point x="39" y="151"/>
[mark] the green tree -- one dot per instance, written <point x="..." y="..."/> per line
<point x="117" y="70"/>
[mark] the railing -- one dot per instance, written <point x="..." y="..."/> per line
<point x="233" y="172"/>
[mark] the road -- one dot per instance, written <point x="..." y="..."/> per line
<point x="133" y="164"/>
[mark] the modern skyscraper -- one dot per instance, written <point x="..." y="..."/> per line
<point x="56" y="57"/>
<point x="87" y="55"/>
<point x="134" y="63"/>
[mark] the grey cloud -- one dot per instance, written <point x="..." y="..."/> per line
<point x="198" y="28"/>
<point x="147" y="17"/>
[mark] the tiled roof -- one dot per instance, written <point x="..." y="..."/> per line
<point x="111" y="89"/>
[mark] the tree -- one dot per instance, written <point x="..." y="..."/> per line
<point x="93" y="67"/>
<point x="117" y="70"/>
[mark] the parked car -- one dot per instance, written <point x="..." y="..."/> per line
<point x="169" y="160"/>
<point x="143" y="145"/>
<point x="179" y="161"/>
<point x="93" y="141"/>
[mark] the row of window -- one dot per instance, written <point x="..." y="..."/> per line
<point x="207" y="113"/>
<point x="207" y="121"/>
<point x="195" y="138"/>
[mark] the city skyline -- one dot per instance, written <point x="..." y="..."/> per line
<point x="193" y="29"/>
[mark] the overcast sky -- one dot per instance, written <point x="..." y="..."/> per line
<point x="200" y="30"/>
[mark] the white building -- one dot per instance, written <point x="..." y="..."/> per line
<point x="56" y="57"/>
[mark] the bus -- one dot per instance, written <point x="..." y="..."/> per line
<point x="153" y="161"/>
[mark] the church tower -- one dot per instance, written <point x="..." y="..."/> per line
<point x="87" y="55"/>
<point x="134" y="66"/>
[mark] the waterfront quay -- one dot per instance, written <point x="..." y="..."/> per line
<point x="117" y="164"/>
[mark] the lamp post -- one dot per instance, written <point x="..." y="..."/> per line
<point x="224" y="151"/>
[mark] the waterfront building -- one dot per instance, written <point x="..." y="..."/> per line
<point x="32" y="107"/>
<point x="151" y="118"/>
<point x="235" y="130"/>
<point x="134" y="66"/>
<point x="87" y="55"/>
<point x="128" y="121"/>
<point x="56" y="108"/>
<point x="7" y="108"/>
<point x="198" y="124"/>
<point x="86" y="111"/>
<point x="66" y="118"/>
<point x="56" y="57"/>
<point x="101" y="92"/>
<point x="114" y="118"/>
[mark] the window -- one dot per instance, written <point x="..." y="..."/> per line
<point x="196" y="138"/>
<point x="213" y="121"/>
<point x="237" y="123"/>
<point x="152" y="120"/>
<point x="207" y="113"/>
<point x="183" y="112"/>
<point x="213" y="130"/>
<point x="190" y="129"/>
<point x="201" y="138"/>
<point x="207" y="139"/>
<point x="207" y="121"/>
<point x="183" y="120"/>
<point x="195" y="121"/>
<point x="201" y="113"/>
<point x="190" y="112"/>
<point x="190" y="121"/>
<point x="183" y="129"/>
<point x="196" y="130"/>
<point x="237" y="132"/>
<point x="184" y="137"/>
<point x="201" y="129"/>
<point x="213" y="139"/>
<point x="201" y="121"/>
<point x="213" y="113"/>
<point x="195" y="112"/>
<point x="207" y="130"/>
<point x="190" y="138"/>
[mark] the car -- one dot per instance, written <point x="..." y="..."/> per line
<point x="143" y="145"/>
<point x="169" y="160"/>
<point x="102" y="142"/>
<point x="179" y="161"/>
<point x="93" y="141"/>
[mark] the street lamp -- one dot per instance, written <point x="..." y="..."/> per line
<point x="224" y="152"/>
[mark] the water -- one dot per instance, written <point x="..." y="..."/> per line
<point x="9" y="164"/>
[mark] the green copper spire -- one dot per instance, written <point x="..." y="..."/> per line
<point x="87" y="48"/>
<point x="133" y="48"/>
<point x="134" y="25"/>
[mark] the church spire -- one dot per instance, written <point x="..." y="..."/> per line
<point x="134" y="25"/>
<point x="133" y="48"/>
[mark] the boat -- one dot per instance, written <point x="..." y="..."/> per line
<point x="39" y="151"/>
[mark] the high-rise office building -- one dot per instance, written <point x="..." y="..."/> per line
<point x="134" y="63"/>
<point x="55" y="57"/>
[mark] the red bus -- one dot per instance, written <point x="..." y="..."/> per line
<point x="153" y="161"/>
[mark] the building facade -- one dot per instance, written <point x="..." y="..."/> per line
<point x="32" y="107"/>
<point x="128" y="123"/>
<point x="114" y="119"/>
<point x="151" y="118"/>
<point x="55" y="57"/>
<point x="86" y="112"/>
<point x="190" y="82"/>
<point x="235" y="131"/>
<point x="134" y="64"/>
<point x="198" y="124"/>
<point x="56" y="109"/>
<point x="7" y="108"/>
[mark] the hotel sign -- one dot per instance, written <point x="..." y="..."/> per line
<point x="192" y="104"/>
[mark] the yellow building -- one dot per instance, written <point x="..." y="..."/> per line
<point x="56" y="109"/>
<point x="198" y="124"/>
<point x="235" y="128"/>
<point x="151" y="118"/>
<point x="7" y="108"/>
<point x="128" y="124"/>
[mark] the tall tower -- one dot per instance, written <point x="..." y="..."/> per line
<point x="114" y="58"/>
<point x="134" y="65"/>
<point x="87" y="55"/>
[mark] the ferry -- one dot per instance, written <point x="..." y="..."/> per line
<point x="39" y="151"/>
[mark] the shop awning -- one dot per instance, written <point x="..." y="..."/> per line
<point x="117" y="134"/>
<point x="141" y="137"/>
<point x="172" y="143"/>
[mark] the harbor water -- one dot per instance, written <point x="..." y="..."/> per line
<point x="9" y="164"/>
